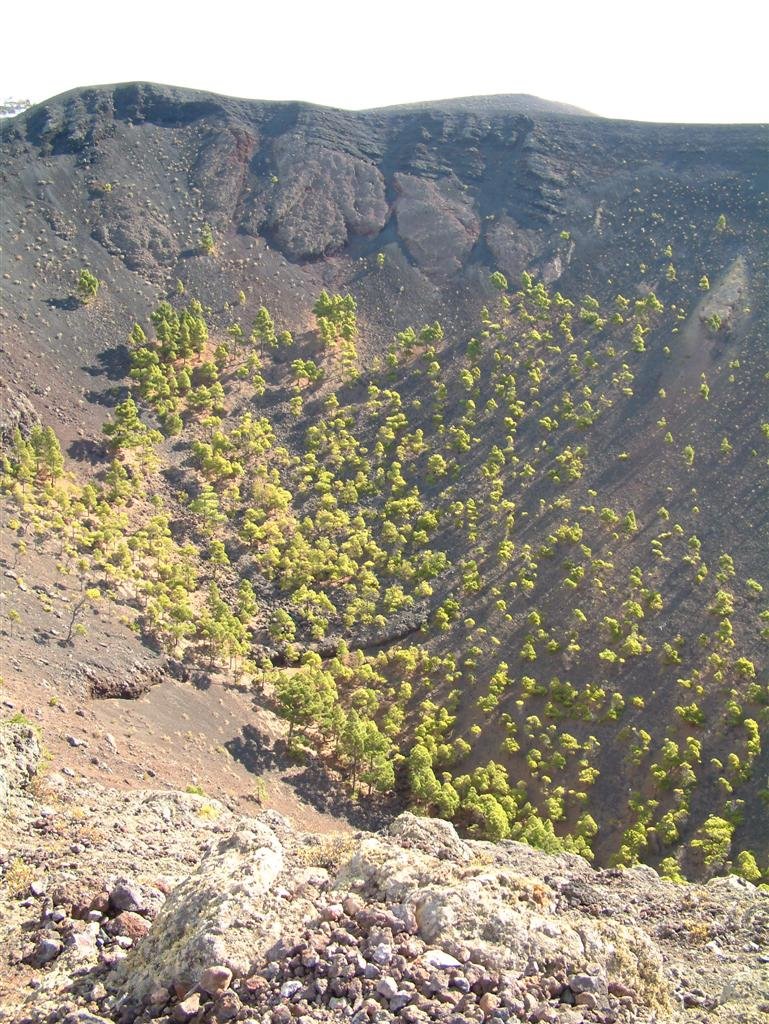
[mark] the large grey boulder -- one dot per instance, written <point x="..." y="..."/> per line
<point x="224" y="913"/>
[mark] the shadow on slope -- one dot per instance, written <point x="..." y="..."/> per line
<point x="312" y="782"/>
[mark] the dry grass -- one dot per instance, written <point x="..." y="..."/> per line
<point x="18" y="877"/>
<point x="329" y="853"/>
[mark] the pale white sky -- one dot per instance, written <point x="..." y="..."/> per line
<point x="677" y="60"/>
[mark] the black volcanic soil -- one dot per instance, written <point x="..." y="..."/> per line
<point x="121" y="178"/>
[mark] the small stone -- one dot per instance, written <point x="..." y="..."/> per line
<point x="419" y="1015"/>
<point x="411" y="948"/>
<point x="125" y="896"/>
<point x="405" y="920"/>
<point x="440" y="960"/>
<point x="187" y="1009"/>
<point x="355" y="990"/>
<point x="618" y="988"/>
<point x="227" y="1006"/>
<point x="129" y="924"/>
<point x="399" y="1000"/>
<point x="545" y="1014"/>
<point x="38" y="887"/>
<point x="281" y="1015"/>
<point x="82" y="945"/>
<point x="257" y="985"/>
<point x="159" y="997"/>
<point x="569" y="1016"/>
<point x="352" y="905"/>
<point x="691" y="999"/>
<point x="215" y="979"/>
<point x="332" y="912"/>
<point x="460" y="982"/>
<point x="489" y="1003"/>
<point x="47" y="949"/>
<point x="382" y="953"/>
<point x="387" y="987"/>
<point x="587" y="983"/>
<point x="290" y="988"/>
<point x="100" y="903"/>
<point x="586" y="999"/>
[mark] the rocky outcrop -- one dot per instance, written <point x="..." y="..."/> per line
<point x="317" y="199"/>
<point x="224" y="913"/>
<point x="142" y="239"/>
<point x="132" y="683"/>
<point x="728" y="299"/>
<point x="475" y="898"/>
<point x="437" y="224"/>
<point x="513" y="248"/>
<point x="16" y="411"/>
<point x="19" y="760"/>
<point x="221" y="170"/>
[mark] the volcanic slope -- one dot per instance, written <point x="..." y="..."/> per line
<point x="453" y="440"/>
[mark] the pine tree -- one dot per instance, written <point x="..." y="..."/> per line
<point x="23" y="458"/>
<point x="127" y="430"/>
<point x="207" y="244"/>
<point x="305" y="696"/>
<point x="263" y="329"/>
<point x="247" y="605"/>
<point x="424" y="786"/>
<point x="87" y="286"/>
<point x="352" y="744"/>
<point x="137" y="337"/>
<point x="50" y="461"/>
<point x="206" y="505"/>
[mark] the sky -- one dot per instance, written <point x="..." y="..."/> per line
<point x="678" y="60"/>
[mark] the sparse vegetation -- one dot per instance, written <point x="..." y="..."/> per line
<point x="87" y="286"/>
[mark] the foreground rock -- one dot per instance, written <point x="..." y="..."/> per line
<point x="416" y="925"/>
<point x="176" y="910"/>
